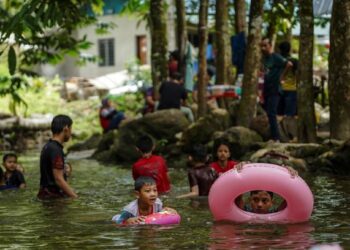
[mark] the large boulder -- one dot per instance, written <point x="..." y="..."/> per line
<point x="162" y="126"/>
<point x="242" y="140"/>
<point x="91" y="143"/>
<point x="201" y="132"/>
<point x="336" y="161"/>
<point x="295" y="155"/>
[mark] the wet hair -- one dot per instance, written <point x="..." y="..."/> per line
<point x="59" y="122"/>
<point x="8" y="155"/>
<point x="143" y="180"/>
<point x="176" y="76"/>
<point x="145" y="144"/>
<point x="199" y="153"/>
<point x="284" y="48"/>
<point x="218" y="143"/>
<point x="257" y="191"/>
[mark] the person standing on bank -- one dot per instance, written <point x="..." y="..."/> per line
<point x="53" y="183"/>
<point x="274" y="67"/>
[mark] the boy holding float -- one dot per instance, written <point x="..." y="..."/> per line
<point x="147" y="203"/>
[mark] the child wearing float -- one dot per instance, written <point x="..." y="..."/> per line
<point x="13" y="176"/>
<point x="147" y="203"/>
<point x="222" y="154"/>
<point x="200" y="176"/>
<point x="261" y="201"/>
<point x="151" y="165"/>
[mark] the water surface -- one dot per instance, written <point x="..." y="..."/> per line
<point x="27" y="223"/>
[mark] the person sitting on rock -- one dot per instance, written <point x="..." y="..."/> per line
<point x="173" y="96"/>
<point x="110" y="118"/>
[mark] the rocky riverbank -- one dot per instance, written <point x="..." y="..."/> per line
<point x="174" y="136"/>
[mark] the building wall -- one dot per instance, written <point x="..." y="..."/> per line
<point x="125" y="48"/>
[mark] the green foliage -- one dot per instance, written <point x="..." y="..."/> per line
<point x="43" y="30"/>
<point x="12" y="60"/>
<point x="139" y="8"/>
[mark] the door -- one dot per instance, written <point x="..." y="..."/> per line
<point x="141" y="44"/>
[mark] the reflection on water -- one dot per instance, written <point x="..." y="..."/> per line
<point x="234" y="236"/>
<point x="27" y="223"/>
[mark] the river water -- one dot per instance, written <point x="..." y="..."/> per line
<point x="27" y="223"/>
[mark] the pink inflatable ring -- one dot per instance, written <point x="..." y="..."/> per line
<point x="260" y="176"/>
<point x="162" y="218"/>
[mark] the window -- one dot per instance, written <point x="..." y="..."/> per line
<point x="106" y="52"/>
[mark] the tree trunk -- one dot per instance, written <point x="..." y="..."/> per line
<point x="306" y="109"/>
<point x="159" y="44"/>
<point x="289" y="16"/>
<point x="240" y="16"/>
<point x="203" y="41"/>
<point x="247" y="107"/>
<point x="339" y="71"/>
<point x="181" y="33"/>
<point x="271" y="29"/>
<point x="222" y="42"/>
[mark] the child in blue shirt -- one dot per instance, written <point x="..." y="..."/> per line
<point x="147" y="203"/>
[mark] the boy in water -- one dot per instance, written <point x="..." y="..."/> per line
<point x="147" y="203"/>
<point x="53" y="181"/>
<point x="151" y="165"/>
<point x="261" y="202"/>
<point x="12" y="177"/>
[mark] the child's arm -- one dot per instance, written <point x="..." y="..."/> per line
<point x="21" y="180"/>
<point x="194" y="192"/>
<point x="127" y="218"/>
<point x="135" y="220"/>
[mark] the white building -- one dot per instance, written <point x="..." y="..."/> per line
<point x="129" y="40"/>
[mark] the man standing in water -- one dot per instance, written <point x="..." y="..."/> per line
<point x="53" y="183"/>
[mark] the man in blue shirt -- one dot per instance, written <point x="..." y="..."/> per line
<point x="274" y="66"/>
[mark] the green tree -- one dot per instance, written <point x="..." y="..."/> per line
<point x="247" y="107"/>
<point x="240" y="16"/>
<point x="40" y="31"/>
<point x="339" y="68"/>
<point x="181" y="32"/>
<point x="159" y="43"/>
<point x="306" y="109"/>
<point x="203" y="41"/>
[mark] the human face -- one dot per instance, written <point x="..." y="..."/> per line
<point x="261" y="202"/>
<point x="223" y="152"/>
<point x="67" y="133"/>
<point x="265" y="47"/>
<point x="10" y="164"/>
<point x="148" y="194"/>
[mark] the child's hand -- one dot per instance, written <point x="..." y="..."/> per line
<point x="169" y="210"/>
<point x="240" y="165"/>
<point x="291" y="171"/>
<point x="135" y="220"/>
<point x="20" y="168"/>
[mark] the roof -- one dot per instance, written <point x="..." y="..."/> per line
<point x="322" y="7"/>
